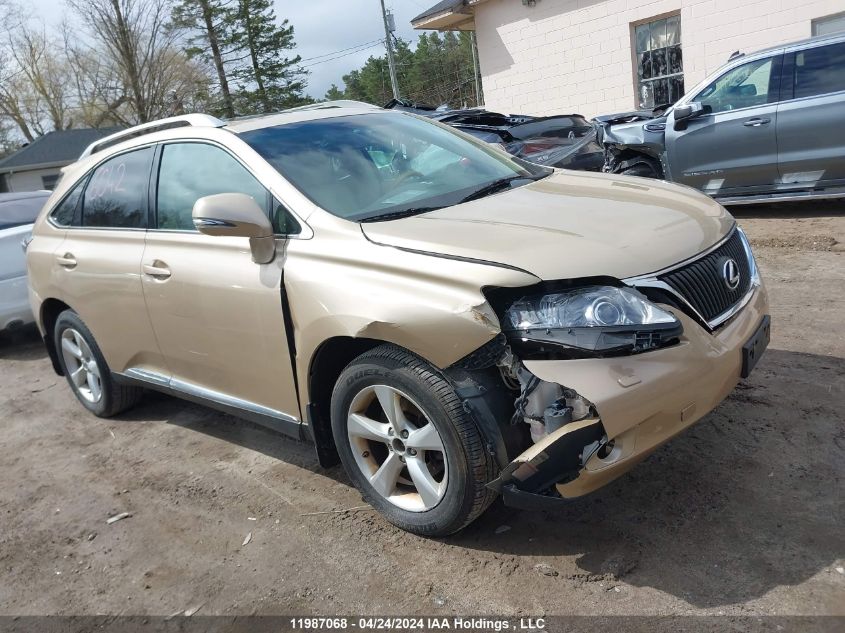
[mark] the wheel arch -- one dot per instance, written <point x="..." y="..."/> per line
<point x="327" y="362"/>
<point x="484" y="396"/>
<point x="627" y="158"/>
<point x="50" y="310"/>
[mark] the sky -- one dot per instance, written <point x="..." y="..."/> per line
<point x="321" y="27"/>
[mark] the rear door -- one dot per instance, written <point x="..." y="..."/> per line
<point x="811" y="118"/>
<point x="733" y="149"/>
<point x="98" y="266"/>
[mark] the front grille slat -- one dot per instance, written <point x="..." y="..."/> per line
<point x="702" y="284"/>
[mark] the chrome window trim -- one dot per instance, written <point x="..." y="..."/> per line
<point x="62" y="227"/>
<point x="651" y="280"/>
<point x="305" y="234"/>
<point x="104" y="159"/>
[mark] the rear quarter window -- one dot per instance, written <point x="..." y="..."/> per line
<point x="66" y="212"/>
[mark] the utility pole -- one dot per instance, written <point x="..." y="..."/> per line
<point x="388" y="34"/>
<point x="479" y="99"/>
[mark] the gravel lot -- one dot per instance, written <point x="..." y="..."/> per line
<point x="742" y="515"/>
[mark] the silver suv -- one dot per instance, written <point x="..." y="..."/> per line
<point x="769" y="126"/>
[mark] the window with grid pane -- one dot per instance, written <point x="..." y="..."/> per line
<point x="660" y="72"/>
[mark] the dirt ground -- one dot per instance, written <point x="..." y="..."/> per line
<point x="742" y="514"/>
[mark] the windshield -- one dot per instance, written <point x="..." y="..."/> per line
<point x="365" y="166"/>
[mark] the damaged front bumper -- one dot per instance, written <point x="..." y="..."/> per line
<point x="642" y="401"/>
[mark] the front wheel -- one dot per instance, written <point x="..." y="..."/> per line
<point x="408" y="444"/>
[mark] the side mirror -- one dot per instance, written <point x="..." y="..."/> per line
<point x="237" y="215"/>
<point x="685" y="113"/>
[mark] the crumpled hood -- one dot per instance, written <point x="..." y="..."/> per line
<point x="569" y="225"/>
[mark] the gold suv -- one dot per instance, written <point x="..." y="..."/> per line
<point x="449" y="322"/>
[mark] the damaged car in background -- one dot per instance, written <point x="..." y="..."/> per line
<point x="449" y="322"/>
<point x="567" y="141"/>
<point x="765" y="127"/>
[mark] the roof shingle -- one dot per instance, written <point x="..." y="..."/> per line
<point x="440" y="7"/>
<point x="63" y="146"/>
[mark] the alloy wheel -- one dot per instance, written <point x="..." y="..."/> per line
<point x="81" y="366"/>
<point x="397" y="448"/>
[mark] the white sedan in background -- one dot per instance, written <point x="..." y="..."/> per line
<point x="17" y="213"/>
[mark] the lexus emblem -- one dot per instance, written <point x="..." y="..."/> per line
<point x="730" y="274"/>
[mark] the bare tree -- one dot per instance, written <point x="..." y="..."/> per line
<point x="42" y="77"/>
<point x="134" y="34"/>
<point x="12" y="103"/>
<point x="99" y="93"/>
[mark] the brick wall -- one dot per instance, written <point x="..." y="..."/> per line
<point x="575" y="55"/>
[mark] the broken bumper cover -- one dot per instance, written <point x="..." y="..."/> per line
<point x="642" y="401"/>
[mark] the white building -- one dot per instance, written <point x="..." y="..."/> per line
<point x="594" y="57"/>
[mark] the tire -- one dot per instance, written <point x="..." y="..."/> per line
<point x="643" y="170"/>
<point x="436" y="492"/>
<point x="96" y="389"/>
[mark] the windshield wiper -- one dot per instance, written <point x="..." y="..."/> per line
<point x="496" y="186"/>
<point x="396" y="215"/>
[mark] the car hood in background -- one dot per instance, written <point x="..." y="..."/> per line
<point x="569" y="225"/>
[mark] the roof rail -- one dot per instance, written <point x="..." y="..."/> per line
<point x="337" y="103"/>
<point x="184" y="120"/>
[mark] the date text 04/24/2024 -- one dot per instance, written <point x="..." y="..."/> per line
<point x="417" y="623"/>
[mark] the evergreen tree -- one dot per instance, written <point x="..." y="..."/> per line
<point x="334" y="93"/>
<point x="438" y="71"/>
<point x="267" y="80"/>
<point x="207" y="24"/>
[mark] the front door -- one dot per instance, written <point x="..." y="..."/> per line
<point x="733" y="148"/>
<point x="217" y="315"/>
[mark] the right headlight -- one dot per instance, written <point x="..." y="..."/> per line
<point x="588" y="321"/>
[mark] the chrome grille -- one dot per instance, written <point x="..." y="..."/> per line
<point x="702" y="282"/>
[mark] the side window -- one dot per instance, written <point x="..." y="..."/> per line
<point x="66" y="213"/>
<point x="116" y="195"/>
<point x="742" y="87"/>
<point x="190" y="171"/>
<point x="819" y="70"/>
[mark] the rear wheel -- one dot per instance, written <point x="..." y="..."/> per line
<point x="408" y="445"/>
<point x="86" y="370"/>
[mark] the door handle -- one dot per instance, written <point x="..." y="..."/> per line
<point x="756" y="122"/>
<point x="66" y="261"/>
<point x="157" y="270"/>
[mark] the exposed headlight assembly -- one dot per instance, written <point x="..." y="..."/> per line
<point x="588" y="321"/>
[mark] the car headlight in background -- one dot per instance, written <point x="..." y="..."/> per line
<point x="588" y="321"/>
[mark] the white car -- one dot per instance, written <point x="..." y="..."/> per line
<point x="17" y="213"/>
